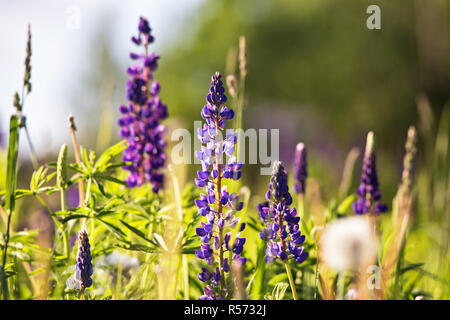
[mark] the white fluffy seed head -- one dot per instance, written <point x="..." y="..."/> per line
<point x="348" y="244"/>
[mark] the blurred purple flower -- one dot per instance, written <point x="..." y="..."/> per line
<point x="300" y="169"/>
<point x="368" y="192"/>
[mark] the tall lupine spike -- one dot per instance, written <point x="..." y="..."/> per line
<point x="368" y="191"/>
<point x="300" y="169"/>
<point x="242" y="56"/>
<point x="140" y="121"/>
<point x="282" y="230"/>
<point x="410" y="152"/>
<point x="217" y="204"/>
<point x="83" y="268"/>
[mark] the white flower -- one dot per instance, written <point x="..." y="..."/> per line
<point x="348" y="244"/>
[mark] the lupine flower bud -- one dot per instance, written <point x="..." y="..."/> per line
<point x="300" y="169"/>
<point x="83" y="269"/>
<point x="282" y="230"/>
<point x="140" y="121"/>
<point x="61" y="168"/>
<point x="368" y="191"/>
<point x="217" y="200"/>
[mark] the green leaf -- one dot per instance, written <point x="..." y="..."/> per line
<point x="411" y="266"/>
<point x="135" y="231"/>
<point x="137" y="247"/>
<point x="108" y="155"/>
<point x="73" y="216"/>
<point x="116" y="230"/>
<point x="109" y="178"/>
<point x="160" y="241"/>
<point x="346" y="204"/>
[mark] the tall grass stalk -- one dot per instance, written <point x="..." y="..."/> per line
<point x="177" y="195"/>
<point x="76" y="148"/>
<point x="10" y="199"/>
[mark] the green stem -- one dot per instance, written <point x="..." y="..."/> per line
<point x="61" y="227"/>
<point x="87" y="201"/>
<point x="118" y="281"/>
<point x="316" y="284"/>
<point x="186" y="277"/>
<point x="291" y="280"/>
<point x="340" y="286"/>
<point x="10" y="195"/>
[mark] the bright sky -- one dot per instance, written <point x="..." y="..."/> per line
<point x="59" y="51"/>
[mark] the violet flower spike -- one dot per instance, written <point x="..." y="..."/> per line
<point x="368" y="192"/>
<point x="140" y="120"/>
<point x="217" y="204"/>
<point x="83" y="268"/>
<point x="282" y="230"/>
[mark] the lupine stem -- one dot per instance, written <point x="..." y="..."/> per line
<point x="219" y="214"/>
<point x="316" y="284"/>
<point x="291" y="280"/>
<point x="288" y="270"/>
<point x="64" y="232"/>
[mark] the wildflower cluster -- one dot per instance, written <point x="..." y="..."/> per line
<point x="368" y="192"/>
<point x="140" y="121"/>
<point x="217" y="204"/>
<point x="83" y="269"/>
<point x="282" y="231"/>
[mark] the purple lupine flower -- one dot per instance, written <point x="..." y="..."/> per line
<point x="300" y="169"/>
<point x="217" y="204"/>
<point x="282" y="230"/>
<point x="83" y="268"/>
<point x="140" y="120"/>
<point x="368" y="192"/>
